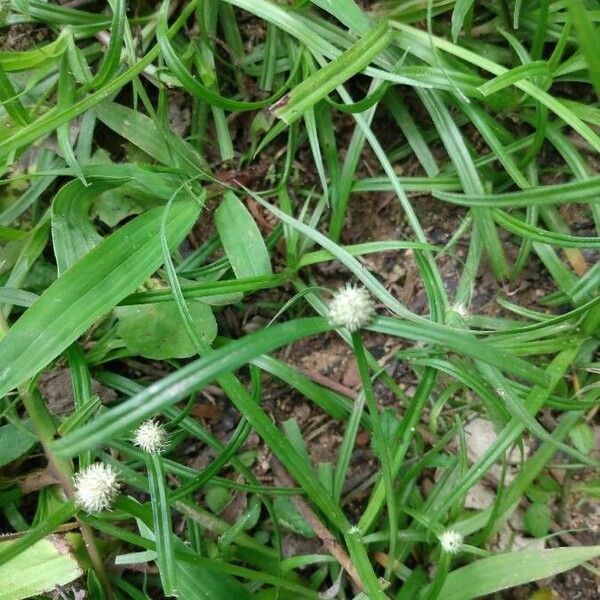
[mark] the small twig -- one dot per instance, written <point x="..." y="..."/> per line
<point x="60" y="529"/>
<point x="328" y="382"/>
<point x="329" y="540"/>
<point x="38" y="480"/>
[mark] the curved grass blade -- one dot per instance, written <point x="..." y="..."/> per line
<point x="325" y="80"/>
<point x="538" y="68"/>
<point x="574" y="191"/>
<point x="188" y="81"/>
<point x="73" y="235"/>
<point x="189" y="378"/>
<point x="537" y="234"/>
<point x="12" y="60"/>
<point x="465" y="345"/>
<point x="112" y="57"/>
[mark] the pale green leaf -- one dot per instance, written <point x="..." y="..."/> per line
<point x="38" y="569"/>
<point x="241" y="238"/>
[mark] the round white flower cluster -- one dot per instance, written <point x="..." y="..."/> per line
<point x="451" y="541"/>
<point x="351" y="307"/>
<point x="96" y="487"/>
<point x="151" y="437"/>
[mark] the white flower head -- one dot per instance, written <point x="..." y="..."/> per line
<point x="351" y="307"/>
<point x="96" y="487"/>
<point x="151" y="437"/>
<point x="451" y="541"/>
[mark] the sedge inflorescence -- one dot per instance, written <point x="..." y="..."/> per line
<point x="451" y="541"/>
<point x="151" y="437"/>
<point x="96" y="487"/>
<point x="351" y="307"/>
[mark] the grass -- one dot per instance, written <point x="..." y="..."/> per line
<point x="168" y="167"/>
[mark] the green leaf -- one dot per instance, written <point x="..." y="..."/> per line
<point x="42" y="527"/>
<point x="537" y="519"/>
<point x="11" y="102"/>
<point x="241" y="239"/>
<point x="504" y="571"/>
<point x="38" y="569"/>
<point x="289" y="517"/>
<point x="65" y="98"/>
<point x="88" y="290"/>
<point x="115" y="205"/>
<point x="17" y="297"/>
<point x="582" y="437"/>
<point x="73" y="235"/>
<point x="217" y="498"/>
<point x="142" y="131"/>
<point x="461" y="9"/>
<point x="156" y="331"/>
<point x="197" y="583"/>
<point x="15" y="441"/>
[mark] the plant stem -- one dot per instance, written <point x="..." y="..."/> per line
<point x="62" y="469"/>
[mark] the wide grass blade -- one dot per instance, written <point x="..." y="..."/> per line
<point x="89" y="289"/>
<point x="503" y="571"/>
<point x="241" y="239"/>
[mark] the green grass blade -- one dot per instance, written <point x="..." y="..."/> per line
<point x="587" y="34"/>
<point x="563" y="193"/>
<point x="503" y="571"/>
<point x="463" y="344"/>
<point x="538" y="68"/>
<point x="11" y="102"/>
<point x="161" y="516"/>
<point x="305" y="95"/>
<point x="183" y="382"/>
<point x="112" y="58"/>
<point x="460" y="12"/>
